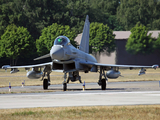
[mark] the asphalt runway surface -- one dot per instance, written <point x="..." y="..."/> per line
<point x="116" y="93"/>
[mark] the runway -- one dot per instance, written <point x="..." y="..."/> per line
<point x="117" y="93"/>
<point x="111" y="86"/>
<point x="79" y="99"/>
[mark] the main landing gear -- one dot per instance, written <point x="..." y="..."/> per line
<point x="102" y="82"/>
<point x="46" y="82"/>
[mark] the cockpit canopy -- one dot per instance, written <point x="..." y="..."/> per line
<point x="61" y="40"/>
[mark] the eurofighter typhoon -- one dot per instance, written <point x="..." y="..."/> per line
<point x="71" y="61"/>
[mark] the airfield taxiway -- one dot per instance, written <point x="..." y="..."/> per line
<point x="117" y="93"/>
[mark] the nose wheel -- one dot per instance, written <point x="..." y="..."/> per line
<point x="65" y="82"/>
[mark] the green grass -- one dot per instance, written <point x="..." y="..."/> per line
<point x="150" y="112"/>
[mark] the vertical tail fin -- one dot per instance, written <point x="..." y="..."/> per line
<point x="84" y="45"/>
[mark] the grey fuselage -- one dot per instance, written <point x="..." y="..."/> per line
<point x="64" y="53"/>
<point x="69" y="52"/>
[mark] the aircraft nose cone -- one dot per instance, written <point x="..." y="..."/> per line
<point x="57" y="52"/>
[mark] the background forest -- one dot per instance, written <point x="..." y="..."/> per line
<point x="37" y="15"/>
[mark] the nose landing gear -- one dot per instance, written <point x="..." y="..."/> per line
<point x="73" y="76"/>
<point x="65" y="82"/>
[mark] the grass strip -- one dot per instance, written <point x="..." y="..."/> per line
<point x="142" y="112"/>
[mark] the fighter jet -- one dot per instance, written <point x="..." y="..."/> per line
<point x="71" y="61"/>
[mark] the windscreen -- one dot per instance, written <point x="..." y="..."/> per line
<point x="60" y="41"/>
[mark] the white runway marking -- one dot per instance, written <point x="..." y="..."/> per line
<point x="109" y="93"/>
<point x="153" y="94"/>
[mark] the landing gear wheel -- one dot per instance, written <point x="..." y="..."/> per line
<point x="64" y="86"/>
<point x="103" y="86"/>
<point x="45" y="84"/>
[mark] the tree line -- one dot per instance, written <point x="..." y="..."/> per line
<point x="37" y="14"/>
<point x="43" y="20"/>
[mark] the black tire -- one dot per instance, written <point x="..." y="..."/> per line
<point x="45" y="84"/>
<point x="103" y="86"/>
<point x="64" y="86"/>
